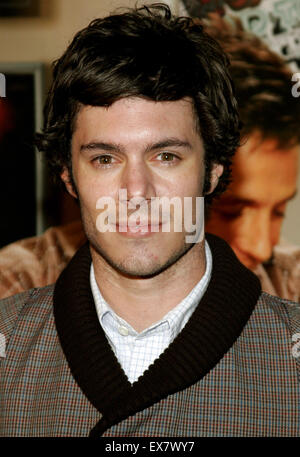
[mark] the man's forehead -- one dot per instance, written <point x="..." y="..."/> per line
<point x="235" y="200"/>
<point x="258" y="141"/>
<point x="130" y="101"/>
<point x="180" y="113"/>
<point x="266" y="164"/>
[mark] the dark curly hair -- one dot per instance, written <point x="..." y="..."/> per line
<point x="143" y="52"/>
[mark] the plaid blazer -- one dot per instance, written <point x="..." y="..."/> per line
<point x="253" y="390"/>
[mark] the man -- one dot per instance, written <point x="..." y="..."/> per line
<point x="143" y="325"/>
<point x="250" y="213"/>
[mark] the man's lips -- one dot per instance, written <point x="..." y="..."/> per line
<point x="142" y="227"/>
<point x="134" y="225"/>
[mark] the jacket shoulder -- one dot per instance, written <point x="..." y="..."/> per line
<point x="284" y="271"/>
<point x="287" y="310"/>
<point x="34" y="302"/>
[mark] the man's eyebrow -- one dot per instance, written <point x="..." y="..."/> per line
<point x="228" y="200"/>
<point x="166" y="143"/>
<point x="94" y="145"/>
<point x="169" y="142"/>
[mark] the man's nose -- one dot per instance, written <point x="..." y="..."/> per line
<point x="137" y="179"/>
<point x="256" y="241"/>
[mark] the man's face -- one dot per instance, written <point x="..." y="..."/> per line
<point x="250" y="213"/>
<point x="151" y="149"/>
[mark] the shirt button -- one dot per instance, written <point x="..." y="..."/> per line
<point x="123" y="330"/>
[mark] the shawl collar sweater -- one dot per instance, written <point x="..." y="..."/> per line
<point x="210" y="332"/>
<point x="231" y="371"/>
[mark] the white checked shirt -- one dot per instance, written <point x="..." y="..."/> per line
<point x="137" y="351"/>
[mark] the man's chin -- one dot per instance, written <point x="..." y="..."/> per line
<point x="133" y="268"/>
<point x="142" y="265"/>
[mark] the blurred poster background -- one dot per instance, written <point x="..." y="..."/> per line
<point x="277" y="22"/>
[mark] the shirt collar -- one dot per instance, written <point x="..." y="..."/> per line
<point x="174" y="320"/>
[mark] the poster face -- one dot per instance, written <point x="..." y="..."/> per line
<point x="251" y="213"/>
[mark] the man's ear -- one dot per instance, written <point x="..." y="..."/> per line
<point x="216" y="172"/>
<point x="65" y="176"/>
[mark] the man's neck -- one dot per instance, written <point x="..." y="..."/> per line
<point x="144" y="301"/>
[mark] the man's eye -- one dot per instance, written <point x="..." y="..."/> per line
<point x="167" y="157"/>
<point x="278" y="213"/>
<point x="103" y="160"/>
<point x="230" y="213"/>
